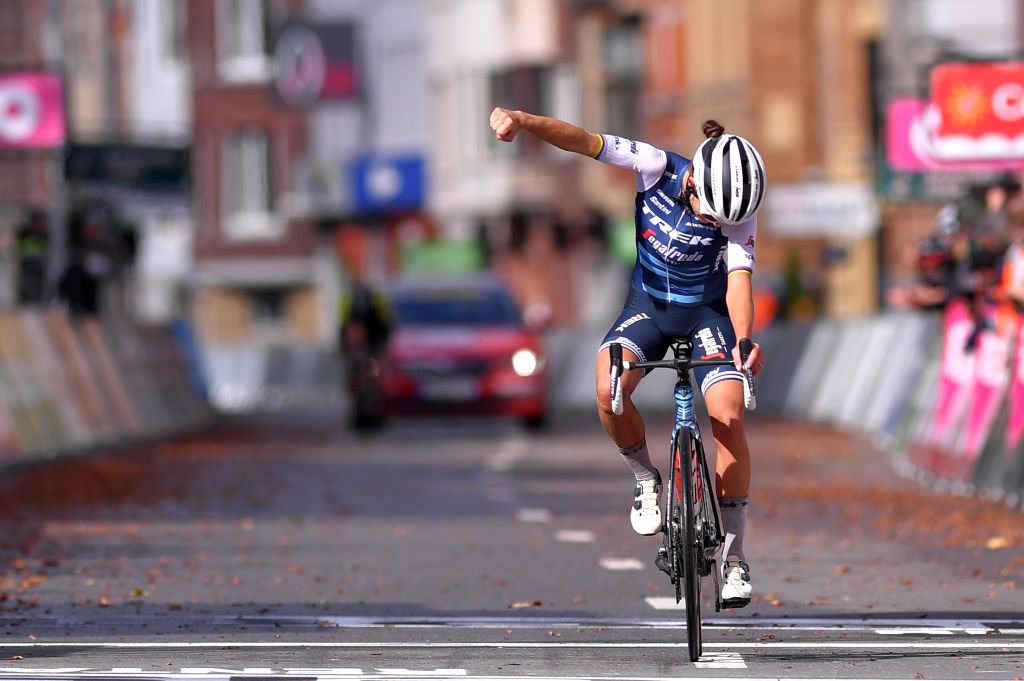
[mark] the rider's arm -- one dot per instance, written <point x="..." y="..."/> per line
<point x="647" y="161"/>
<point x="739" y="262"/>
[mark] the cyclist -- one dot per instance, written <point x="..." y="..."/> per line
<point x="365" y="329"/>
<point x="695" y="232"/>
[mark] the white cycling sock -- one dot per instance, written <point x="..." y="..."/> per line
<point x="734" y="523"/>
<point x="639" y="461"/>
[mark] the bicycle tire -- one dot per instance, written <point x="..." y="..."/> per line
<point x="712" y="536"/>
<point x="672" y="539"/>
<point x="692" y="554"/>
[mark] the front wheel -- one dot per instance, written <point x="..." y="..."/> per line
<point x="691" y="554"/>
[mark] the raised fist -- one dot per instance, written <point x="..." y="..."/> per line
<point x="505" y="124"/>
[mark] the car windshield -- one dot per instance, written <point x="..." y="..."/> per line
<point x="473" y="307"/>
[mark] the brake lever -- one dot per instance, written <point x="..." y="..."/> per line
<point x="616" y="373"/>
<point x="749" y="397"/>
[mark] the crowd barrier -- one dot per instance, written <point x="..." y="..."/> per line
<point x="71" y="385"/>
<point x="249" y="377"/>
<point x="950" y="416"/>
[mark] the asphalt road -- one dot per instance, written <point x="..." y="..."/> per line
<point x="287" y="547"/>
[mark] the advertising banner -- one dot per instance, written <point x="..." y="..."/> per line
<point x="955" y="377"/>
<point x="314" y="62"/>
<point x="1015" y="422"/>
<point x="991" y="378"/>
<point x="977" y="110"/>
<point x="31" y="111"/>
<point x="910" y="146"/>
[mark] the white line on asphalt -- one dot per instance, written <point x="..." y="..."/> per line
<point x="330" y="674"/>
<point x="620" y="564"/>
<point x="533" y="515"/>
<point x="722" y="660"/>
<point x="725" y="623"/>
<point x="575" y="536"/>
<point x="228" y="645"/>
<point x="665" y="603"/>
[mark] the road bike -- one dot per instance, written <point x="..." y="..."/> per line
<point x="692" y="526"/>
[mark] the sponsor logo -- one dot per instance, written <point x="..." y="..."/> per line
<point x="631" y="321"/>
<point x="716" y="355"/>
<point x="669" y="252"/>
<point x="707" y="340"/>
<point x="673" y="233"/>
<point x="616" y="142"/>
<point x="661" y="206"/>
<point x="719" y="258"/>
<point x="663" y="196"/>
<point x="750" y="241"/>
<point x="632" y="147"/>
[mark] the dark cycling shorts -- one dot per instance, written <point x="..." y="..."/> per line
<point x="648" y="327"/>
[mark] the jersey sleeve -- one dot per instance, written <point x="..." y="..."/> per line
<point x="739" y="252"/>
<point x="648" y="162"/>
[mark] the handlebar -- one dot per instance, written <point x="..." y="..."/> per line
<point x="620" y="366"/>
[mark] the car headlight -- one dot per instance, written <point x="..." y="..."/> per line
<point x="525" y="362"/>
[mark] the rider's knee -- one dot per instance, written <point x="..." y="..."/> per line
<point x="728" y="415"/>
<point x="604" y="399"/>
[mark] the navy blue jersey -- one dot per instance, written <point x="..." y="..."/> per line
<point x="680" y="260"/>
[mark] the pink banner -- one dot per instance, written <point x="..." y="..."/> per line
<point x="911" y="146"/>
<point x="1015" y="424"/>
<point x="955" y="377"/>
<point x="31" y="111"/>
<point x="991" y="377"/>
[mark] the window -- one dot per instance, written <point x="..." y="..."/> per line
<point x="242" y="41"/>
<point x="622" y="54"/>
<point x="246" y="189"/>
<point x="527" y="89"/>
<point x="172" y="22"/>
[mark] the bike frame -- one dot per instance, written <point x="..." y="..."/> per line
<point x="686" y="417"/>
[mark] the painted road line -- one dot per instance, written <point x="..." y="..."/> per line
<point x="327" y="673"/>
<point x="722" y="660"/>
<point x="620" y="564"/>
<point x="665" y="603"/>
<point x="533" y="515"/>
<point x="991" y="627"/>
<point x="575" y="536"/>
<point x="1004" y="646"/>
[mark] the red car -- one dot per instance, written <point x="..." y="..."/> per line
<point x="460" y="347"/>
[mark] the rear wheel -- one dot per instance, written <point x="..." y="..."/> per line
<point x="692" y="553"/>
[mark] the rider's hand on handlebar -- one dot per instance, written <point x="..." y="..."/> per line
<point x="755" y="361"/>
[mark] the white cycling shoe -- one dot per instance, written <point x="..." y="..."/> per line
<point x="645" y="516"/>
<point x="736" y="589"/>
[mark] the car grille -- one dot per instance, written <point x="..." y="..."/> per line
<point x="446" y="369"/>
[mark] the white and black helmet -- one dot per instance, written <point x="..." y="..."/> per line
<point x="729" y="178"/>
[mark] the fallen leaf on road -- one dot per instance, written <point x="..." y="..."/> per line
<point x="105" y="602"/>
<point x="776" y="602"/>
<point x="17" y="657"/>
<point x="997" y="542"/>
<point x="842" y="570"/>
<point x="139" y="593"/>
<point x="519" y="605"/>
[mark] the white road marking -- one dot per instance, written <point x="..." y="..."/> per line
<point x="344" y="674"/>
<point x="533" y="515"/>
<point x="837" y="645"/>
<point x="575" y="536"/>
<point x="620" y="564"/>
<point x="990" y="627"/>
<point x="722" y="660"/>
<point x="827" y="645"/>
<point x="665" y="603"/>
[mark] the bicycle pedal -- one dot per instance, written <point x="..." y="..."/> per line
<point x="662" y="563"/>
<point x="735" y="603"/>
